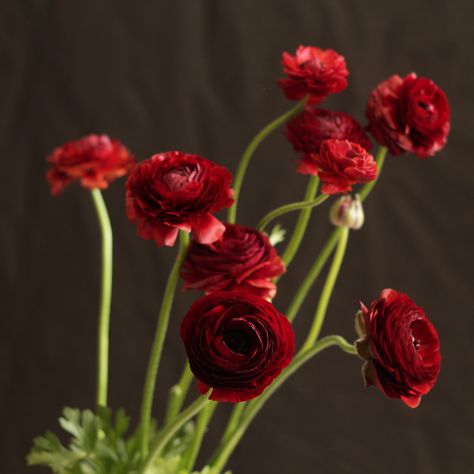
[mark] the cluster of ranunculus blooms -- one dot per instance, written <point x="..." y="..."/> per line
<point x="237" y="342"/>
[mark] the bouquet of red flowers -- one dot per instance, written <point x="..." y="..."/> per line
<point x="240" y="347"/>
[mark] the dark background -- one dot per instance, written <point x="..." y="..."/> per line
<point x="199" y="76"/>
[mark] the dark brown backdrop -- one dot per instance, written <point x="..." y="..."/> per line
<point x="199" y="76"/>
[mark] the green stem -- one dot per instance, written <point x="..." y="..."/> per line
<point x="170" y="430"/>
<point x="201" y="425"/>
<point x="105" y="300"/>
<point x="225" y="449"/>
<point x="234" y="420"/>
<point x="380" y="159"/>
<point x="327" y="290"/>
<point x="301" y="223"/>
<point x="178" y="393"/>
<point x="250" y="150"/>
<point x="313" y="273"/>
<point x="158" y="342"/>
<point x="294" y="206"/>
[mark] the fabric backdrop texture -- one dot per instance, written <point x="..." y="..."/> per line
<point x="200" y="76"/>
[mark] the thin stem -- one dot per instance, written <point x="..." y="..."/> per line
<point x="301" y="223"/>
<point x="225" y="449"/>
<point x="327" y="290"/>
<point x="294" y="206"/>
<point x="105" y="299"/>
<point x="170" y="430"/>
<point x="201" y="426"/>
<point x="158" y="342"/>
<point x="178" y="394"/>
<point x="250" y="150"/>
<point x="313" y="273"/>
<point x="234" y="420"/>
<point x="380" y="159"/>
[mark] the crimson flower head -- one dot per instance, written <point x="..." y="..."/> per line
<point x="409" y="114"/>
<point x="174" y="190"/>
<point x="94" y="160"/>
<point x="237" y="344"/>
<point x="400" y="346"/>
<point x="340" y="164"/>
<point x="311" y="127"/>
<point x="242" y="259"/>
<point x="314" y="72"/>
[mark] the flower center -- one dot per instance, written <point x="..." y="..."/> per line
<point x="237" y="341"/>
<point x="177" y="178"/>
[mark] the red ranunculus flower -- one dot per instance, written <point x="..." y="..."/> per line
<point x="237" y="343"/>
<point x="94" y="160"/>
<point x="173" y="191"/>
<point x="339" y="164"/>
<point x="243" y="258"/>
<point x="409" y="115"/>
<point x="314" y="72"/>
<point x="400" y="346"/>
<point x="311" y="127"/>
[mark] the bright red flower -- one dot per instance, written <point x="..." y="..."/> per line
<point x="314" y="72"/>
<point x="340" y="164"/>
<point x="409" y="115"/>
<point x="311" y="127"/>
<point x="173" y="191"/>
<point x="237" y="344"/>
<point x="242" y="259"/>
<point x="400" y="346"/>
<point x="94" y="160"/>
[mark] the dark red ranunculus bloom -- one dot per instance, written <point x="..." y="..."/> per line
<point x="400" y="346"/>
<point x="340" y="164"/>
<point x="409" y="115"/>
<point x="174" y="190"/>
<point x="243" y="258"/>
<point x="237" y="344"/>
<point x="311" y="127"/>
<point x="314" y="72"/>
<point x="94" y="160"/>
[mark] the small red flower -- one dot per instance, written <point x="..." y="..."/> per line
<point x="400" y="346"/>
<point x="314" y="72"/>
<point x="173" y="191"/>
<point x="237" y="344"/>
<point x="94" y="160"/>
<point x="409" y="115"/>
<point x="311" y="127"/>
<point x="340" y="164"/>
<point x="242" y="259"/>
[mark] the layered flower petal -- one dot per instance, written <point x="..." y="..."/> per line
<point x="400" y="346"/>
<point x="409" y="114"/>
<point x="242" y="258"/>
<point x="94" y="160"/>
<point x="237" y="344"/>
<point x="177" y="191"/>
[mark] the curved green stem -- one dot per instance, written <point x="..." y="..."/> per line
<point x="313" y="273"/>
<point x="178" y="393"/>
<point x="294" y="206"/>
<point x="380" y="159"/>
<point x="158" y="342"/>
<point x="201" y="425"/>
<point x="170" y="430"/>
<point x="105" y="300"/>
<point x="327" y="290"/>
<point x="225" y="449"/>
<point x="250" y="150"/>
<point x="301" y="223"/>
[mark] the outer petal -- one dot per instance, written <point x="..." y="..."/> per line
<point x="207" y="229"/>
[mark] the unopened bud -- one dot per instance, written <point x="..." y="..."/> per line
<point x="347" y="212"/>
